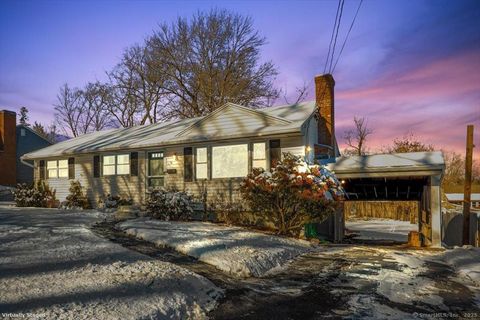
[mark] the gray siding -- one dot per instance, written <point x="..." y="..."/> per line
<point x="136" y="187"/>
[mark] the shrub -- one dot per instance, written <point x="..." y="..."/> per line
<point x="111" y="201"/>
<point x="38" y="195"/>
<point x="76" y="198"/>
<point x="229" y="212"/>
<point x="292" y="193"/>
<point x="170" y="205"/>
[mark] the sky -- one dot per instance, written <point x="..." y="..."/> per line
<point x="408" y="66"/>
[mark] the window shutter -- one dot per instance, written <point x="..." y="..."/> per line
<point x="41" y="169"/>
<point x="134" y="164"/>
<point x="188" y="164"/>
<point x="71" y="168"/>
<point x="96" y="166"/>
<point x="275" y="152"/>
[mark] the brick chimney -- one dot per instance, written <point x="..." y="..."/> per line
<point x="324" y="88"/>
<point x="8" y="147"/>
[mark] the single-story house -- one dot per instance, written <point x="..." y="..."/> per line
<point x="205" y="156"/>
<point x="208" y="157"/>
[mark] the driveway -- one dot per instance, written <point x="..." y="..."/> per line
<point x="53" y="266"/>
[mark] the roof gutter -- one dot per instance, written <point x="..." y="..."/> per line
<point x="26" y="163"/>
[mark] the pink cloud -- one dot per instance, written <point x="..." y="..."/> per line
<point x="435" y="101"/>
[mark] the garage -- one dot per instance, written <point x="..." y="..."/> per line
<point x="402" y="187"/>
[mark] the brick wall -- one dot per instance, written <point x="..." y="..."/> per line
<point x="324" y="95"/>
<point x="8" y="149"/>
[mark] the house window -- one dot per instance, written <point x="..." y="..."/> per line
<point x="230" y="161"/>
<point x="116" y="164"/>
<point x="57" y="169"/>
<point x="22" y="132"/>
<point x="259" y="155"/>
<point x="201" y="166"/>
<point x="156" y="171"/>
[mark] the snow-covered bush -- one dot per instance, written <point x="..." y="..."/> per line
<point x="170" y="205"/>
<point x="111" y="201"/>
<point x="76" y="199"/>
<point x="292" y="194"/>
<point x="39" y="195"/>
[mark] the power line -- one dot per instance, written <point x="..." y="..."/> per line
<point x="348" y="33"/>
<point x="331" y="37"/>
<point x="336" y="36"/>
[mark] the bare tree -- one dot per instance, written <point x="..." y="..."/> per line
<point x="408" y="143"/>
<point x="49" y="133"/>
<point x="137" y="88"/>
<point x="301" y="93"/>
<point x="96" y="98"/>
<point x="209" y="60"/>
<point x="69" y="110"/>
<point x="356" y="138"/>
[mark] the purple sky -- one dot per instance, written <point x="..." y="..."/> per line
<point x="409" y="66"/>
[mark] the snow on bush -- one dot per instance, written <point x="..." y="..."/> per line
<point x="170" y="205"/>
<point x="292" y="193"/>
<point x="111" y="202"/>
<point x="39" y="195"/>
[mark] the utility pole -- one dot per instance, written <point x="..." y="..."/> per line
<point x="468" y="186"/>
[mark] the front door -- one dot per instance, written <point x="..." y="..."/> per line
<point x="155" y="170"/>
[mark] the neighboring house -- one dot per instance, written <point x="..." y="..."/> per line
<point x="204" y="156"/>
<point x="15" y="141"/>
<point x="457" y="198"/>
<point x="27" y="141"/>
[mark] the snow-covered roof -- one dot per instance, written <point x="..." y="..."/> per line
<point x="229" y="121"/>
<point x="410" y="162"/>
<point x="459" y="196"/>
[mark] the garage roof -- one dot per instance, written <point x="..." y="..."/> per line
<point x="389" y="165"/>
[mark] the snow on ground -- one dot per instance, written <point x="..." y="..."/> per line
<point x="53" y="266"/>
<point x="465" y="260"/>
<point x="233" y="250"/>
<point x="381" y="229"/>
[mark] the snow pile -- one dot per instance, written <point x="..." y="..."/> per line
<point x="52" y="265"/>
<point x="233" y="250"/>
<point x="465" y="260"/>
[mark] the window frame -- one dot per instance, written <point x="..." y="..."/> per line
<point x="115" y="164"/>
<point x="207" y="162"/>
<point x="57" y="169"/>
<point x="239" y="143"/>
<point x="265" y="154"/>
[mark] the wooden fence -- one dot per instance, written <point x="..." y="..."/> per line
<point x="397" y="210"/>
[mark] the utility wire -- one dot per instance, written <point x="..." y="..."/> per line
<point x="331" y="37"/>
<point x="348" y="33"/>
<point x="336" y="36"/>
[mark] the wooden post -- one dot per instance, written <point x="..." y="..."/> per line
<point x="468" y="186"/>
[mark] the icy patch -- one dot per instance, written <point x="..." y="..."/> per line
<point x="230" y="249"/>
<point x="366" y="307"/>
<point x="406" y="285"/>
